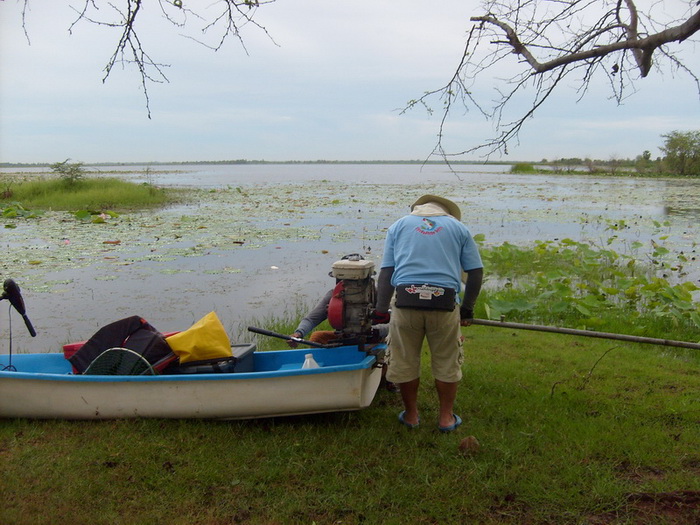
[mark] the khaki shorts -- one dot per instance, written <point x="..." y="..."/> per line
<point x="407" y="330"/>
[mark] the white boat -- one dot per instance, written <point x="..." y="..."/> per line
<point x="43" y="386"/>
<point x="75" y="385"/>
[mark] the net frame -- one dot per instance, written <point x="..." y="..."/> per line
<point x="119" y="361"/>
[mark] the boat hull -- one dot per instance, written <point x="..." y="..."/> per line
<point x="43" y="387"/>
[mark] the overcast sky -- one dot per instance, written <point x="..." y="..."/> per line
<point x="328" y="87"/>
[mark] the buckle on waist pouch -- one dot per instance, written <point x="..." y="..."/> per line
<point x="425" y="297"/>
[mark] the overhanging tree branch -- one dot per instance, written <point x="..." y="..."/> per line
<point x="646" y="46"/>
<point x="539" y="43"/>
<point x="227" y="21"/>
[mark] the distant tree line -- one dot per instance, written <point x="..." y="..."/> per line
<point x="681" y="157"/>
<point x="681" y="151"/>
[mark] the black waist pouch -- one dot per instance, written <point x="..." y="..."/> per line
<point x="425" y="297"/>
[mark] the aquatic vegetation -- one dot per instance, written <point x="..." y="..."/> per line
<point x="581" y="285"/>
<point x="174" y="263"/>
<point x="94" y="216"/>
<point x="16" y="210"/>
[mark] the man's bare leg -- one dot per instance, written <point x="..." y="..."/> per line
<point x="447" y="393"/>
<point x="409" y="396"/>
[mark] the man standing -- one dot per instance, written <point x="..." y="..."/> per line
<point x="425" y="254"/>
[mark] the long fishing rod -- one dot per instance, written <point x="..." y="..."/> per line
<point x="587" y="333"/>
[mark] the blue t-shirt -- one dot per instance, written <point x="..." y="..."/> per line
<point x="430" y="250"/>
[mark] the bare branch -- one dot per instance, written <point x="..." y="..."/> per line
<point x="129" y="50"/>
<point x="24" y="21"/>
<point x="643" y="47"/>
<point x="552" y="40"/>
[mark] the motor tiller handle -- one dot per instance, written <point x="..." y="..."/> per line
<point x="287" y="338"/>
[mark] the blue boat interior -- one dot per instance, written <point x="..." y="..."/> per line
<point x="272" y="363"/>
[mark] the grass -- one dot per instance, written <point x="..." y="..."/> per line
<point x="88" y="193"/>
<point x="572" y="430"/>
<point x="569" y="428"/>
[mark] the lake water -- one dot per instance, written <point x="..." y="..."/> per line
<point x="258" y="241"/>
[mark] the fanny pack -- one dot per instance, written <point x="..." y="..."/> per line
<point x="425" y="297"/>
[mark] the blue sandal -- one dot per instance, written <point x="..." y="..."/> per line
<point x="405" y="423"/>
<point x="450" y="428"/>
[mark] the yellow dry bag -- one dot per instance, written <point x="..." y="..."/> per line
<point x="206" y="339"/>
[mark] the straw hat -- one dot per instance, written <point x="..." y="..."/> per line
<point x="449" y="206"/>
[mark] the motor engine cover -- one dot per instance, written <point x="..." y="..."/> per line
<point x="351" y="269"/>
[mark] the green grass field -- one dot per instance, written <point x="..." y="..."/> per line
<point x="104" y="193"/>
<point x="571" y="430"/>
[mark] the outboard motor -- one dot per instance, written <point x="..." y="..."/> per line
<point x="350" y="307"/>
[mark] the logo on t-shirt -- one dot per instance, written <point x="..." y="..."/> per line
<point x="428" y="227"/>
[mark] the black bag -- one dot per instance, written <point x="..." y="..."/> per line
<point x="241" y="360"/>
<point x="133" y="333"/>
<point x="220" y="365"/>
<point x="425" y="297"/>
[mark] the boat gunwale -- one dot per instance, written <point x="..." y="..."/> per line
<point x="367" y="362"/>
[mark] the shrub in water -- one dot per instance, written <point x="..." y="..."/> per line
<point x="522" y="167"/>
<point x="69" y="173"/>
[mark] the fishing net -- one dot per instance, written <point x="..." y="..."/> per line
<point x="119" y="362"/>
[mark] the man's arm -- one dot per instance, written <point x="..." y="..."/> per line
<point x="472" y="289"/>
<point x="384" y="290"/>
<point x="315" y="316"/>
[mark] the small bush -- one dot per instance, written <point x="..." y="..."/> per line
<point x="70" y="174"/>
<point x="523" y="167"/>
